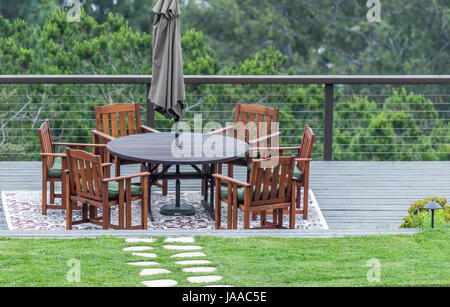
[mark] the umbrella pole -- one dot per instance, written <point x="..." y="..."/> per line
<point x="177" y="131"/>
<point x="178" y="209"/>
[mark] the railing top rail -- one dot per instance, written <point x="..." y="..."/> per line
<point x="226" y="79"/>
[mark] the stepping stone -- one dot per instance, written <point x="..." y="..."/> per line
<point x="160" y="283"/>
<point x="203" y="279"/>
<point x="149" y="272"/>
<point x="136" y="240"/>
<point x="218" y="286"/>
<point x="137" y="248"/>
<point x="146" y="255"/>
<point x="188" y="255"/>
<point x="200" y="269"/>
<point x="143" y="263"/>
<point x="192" y="262"/>
<point x="182" y="247"/>
<point x="180" y="240"/>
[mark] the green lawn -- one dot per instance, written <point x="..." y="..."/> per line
<point x="419" y="260"/>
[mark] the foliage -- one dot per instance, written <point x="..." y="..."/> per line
<point x="318" y="37"/>
<point x="420" y="218"/>
<point x="370" y="124"/>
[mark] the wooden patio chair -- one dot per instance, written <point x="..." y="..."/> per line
<point x="247" y="127"/>
<point x="301" y="170"/>
<point x="115" y="120"/>
<point x="269" y="188"/>
<point x="53" y="164"/>
<point x="87" y="183"/>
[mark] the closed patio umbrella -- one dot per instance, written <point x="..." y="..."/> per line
<point x="167" y="90"/>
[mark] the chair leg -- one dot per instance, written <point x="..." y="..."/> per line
<point x="230" y="213"/>
<point x="68" y="212"/>
<point x="149" y="203"/>
<point x="235" y="208"/>
<point x="218" y="212"/>
<point x="144" y="214"/>
<point x="117" y="163"/>
<point x="263" y="218"/>
<point x="246" y="220"/>
<point x="84" y="213"/>
<point x="144" y="204"/>
<point x="44" y="196"/>
<point x="299" y="191"/>
<point x="230" y="170"/>
<point x="92" y="213"/>
<point x="305" y="202"/>
<point x="292" y="216"/>
<point x="106" y="217"/>
<point x="280" y="218"/>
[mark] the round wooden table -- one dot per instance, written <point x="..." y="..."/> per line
<point x="163" y="149"/>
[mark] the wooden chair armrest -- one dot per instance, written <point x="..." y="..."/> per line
<point x="263" y="138"/>
<point x="144" y="174"/>
<point x="149" y="130"/>
<point x="303" y="160"/>
<point x="231" y="180"/>
<point x="55" y="155"/>
<point x="221" y="131"/>
<point x="102" y="135"/>
<point x="280" y="149"/>
<point x="79" y="145"/>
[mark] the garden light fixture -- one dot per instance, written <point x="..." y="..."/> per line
<point x="432" y="205"/>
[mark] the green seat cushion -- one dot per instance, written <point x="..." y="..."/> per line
<point x="240" y="194"/>
<point x="297" y="172"/>
<point x="56" y="170"/>
<point x="113" y="190"/>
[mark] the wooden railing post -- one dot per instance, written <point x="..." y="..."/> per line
<point x="328" y="123"/>
<point x="150" y="120"/>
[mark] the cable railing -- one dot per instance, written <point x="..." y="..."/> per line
<point x="353" y="117"/>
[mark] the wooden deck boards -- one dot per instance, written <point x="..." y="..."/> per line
<point x="356" y="196"/>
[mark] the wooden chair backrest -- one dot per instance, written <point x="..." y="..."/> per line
<point x="85" y="173"/>
<point x="252" y="115"/>
<point x="272" y="185"/>
<point x="45" y="137"/>
<point x="119" y="119"/>
<point x="306" y="147"/>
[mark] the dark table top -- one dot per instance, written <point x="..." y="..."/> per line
<point x="161" y="148"/>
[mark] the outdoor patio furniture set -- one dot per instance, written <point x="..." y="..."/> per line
<point x="272" y="188"/>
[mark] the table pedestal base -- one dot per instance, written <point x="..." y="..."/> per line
<point x="182" y="210"/>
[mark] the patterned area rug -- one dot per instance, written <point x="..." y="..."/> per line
<point x="23" y="212"/>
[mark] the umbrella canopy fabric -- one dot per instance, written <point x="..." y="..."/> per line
<point x="167" y="90"/>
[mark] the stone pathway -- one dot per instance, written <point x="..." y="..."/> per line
<point x="188" y="255"/>
<point x="149" y="272"/>
<point x="137" y="248"/>
<point x="146" y="255"/>
<point x="182" y="247"/>
<point x="200" y="269"/>
<point x="191" y="266"/>
<point x="143" y="263"/>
